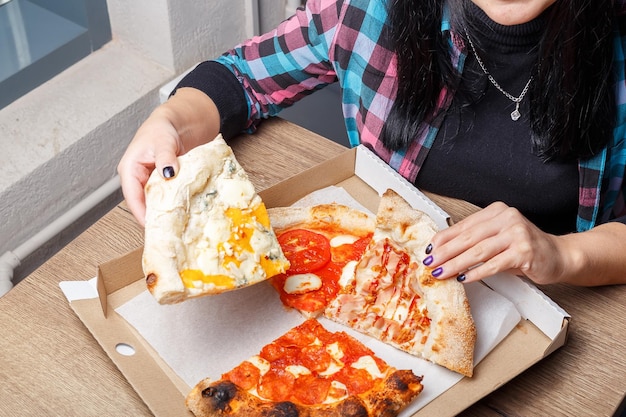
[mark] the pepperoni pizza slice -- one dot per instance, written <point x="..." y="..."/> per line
<point x="308" y="372"/>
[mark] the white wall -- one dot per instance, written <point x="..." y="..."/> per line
<point x="63" y="141"/>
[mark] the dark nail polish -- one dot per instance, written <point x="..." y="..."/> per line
<point x="461" y="278"/>
<point x="437" y="272"/>
<point x="429" y="248"/>
<point x="428" y="260"/>
<point x="168" y="172"/>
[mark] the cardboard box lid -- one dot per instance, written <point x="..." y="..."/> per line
<point x="364" y="176"/>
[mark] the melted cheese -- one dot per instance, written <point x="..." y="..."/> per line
<point x="335" y="352"/>
<point x="195" y="278"/>
<point x="337" y="392"/>
<point x="342" y="240"/>
<point x="227" y="253"/>
<point x="369" y="364"/>
<point x="347" y="274"/>
<point x="333" y="368"/>
<point x="302" y="283"/>
<point x="297" y="370"/>
<point x="262" y="364"/>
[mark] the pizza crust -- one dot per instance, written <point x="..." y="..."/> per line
<point x="320" y="216"/>
<point x="224" y="398"/>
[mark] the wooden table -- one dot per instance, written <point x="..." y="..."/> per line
<point x="51" y="366"/>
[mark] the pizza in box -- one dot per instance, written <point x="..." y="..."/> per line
<point x="208" y="232"/>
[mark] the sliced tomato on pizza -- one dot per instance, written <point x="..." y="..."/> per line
<point x="322" y="244"/>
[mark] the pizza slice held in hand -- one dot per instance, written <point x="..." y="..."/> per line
<point x="207" y="231"/>
<point x="308" y="372"/>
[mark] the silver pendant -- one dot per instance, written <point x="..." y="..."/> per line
<point x="515" y="114"/>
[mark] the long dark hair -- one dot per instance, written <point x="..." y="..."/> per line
<point x="572" y="99"/>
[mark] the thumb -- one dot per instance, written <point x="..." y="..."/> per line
<point x="166" y="162"/>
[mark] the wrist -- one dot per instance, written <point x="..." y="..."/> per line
<point x="575" y="261"/>
<point x="194" y="116"/>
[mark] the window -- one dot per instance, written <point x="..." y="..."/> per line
<point x="41" y="38"/>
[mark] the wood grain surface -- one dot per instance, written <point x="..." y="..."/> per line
<point x="50" y="365"/>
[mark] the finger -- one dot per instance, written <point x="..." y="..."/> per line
<point x="166" y="160"/>
<point x="467" y="248"/>
<point x="503" y="262"/>
<point x="133" y="190"/>
<point x="464" y="260"/>
<point x="484" y="216"/>
<point x="135" y="200"/>
<point x="492" y="222"/>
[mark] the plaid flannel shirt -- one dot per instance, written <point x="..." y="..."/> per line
<point x="345" y="41"/>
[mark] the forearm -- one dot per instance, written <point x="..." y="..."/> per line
<point x="595" y="257"/>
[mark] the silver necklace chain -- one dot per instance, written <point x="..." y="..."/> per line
<point x="515" y="114"/>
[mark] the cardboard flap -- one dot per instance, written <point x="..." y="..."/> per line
<point x="117" y="274"/>
<point x="560" y="339"/>
<point x="532" y="304"/>
<point x="380" y="176"/>
<point x="150" y="377"/>
<point x="294" y="188"/>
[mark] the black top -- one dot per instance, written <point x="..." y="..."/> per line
<point x="480" y="154"/>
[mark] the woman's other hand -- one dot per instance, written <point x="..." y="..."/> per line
<point x="500" y="239"/>
<point x="496" y="239"/>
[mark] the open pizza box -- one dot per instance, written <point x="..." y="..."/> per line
<point x="164" y="350"/>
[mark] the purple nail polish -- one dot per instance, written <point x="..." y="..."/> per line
<point x="461" y="278"/>
<point x="428" y="260"/>
<point x="168" y="172"/>
<point x="437" y="272"/>
<point x="429" y="248"/>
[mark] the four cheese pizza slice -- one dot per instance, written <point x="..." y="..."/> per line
<point x="392" y="296"/>
<point x="308" y="372"/>
<point x="207" y="231"/>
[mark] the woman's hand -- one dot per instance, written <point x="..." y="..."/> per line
<point x="496" y="239"/>
<point x="500" y="239"/>
<point x="187" y="119"/>
<point x="155" y="145"/>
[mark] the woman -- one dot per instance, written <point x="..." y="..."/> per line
<point x="509" y="104"/>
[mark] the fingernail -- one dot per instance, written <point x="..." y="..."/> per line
<point x="428" y="260"/>
<point x="437" y="272"/>
<point x="429" y="248"/>
<point x="461" y="278"/>
<point x="168" y="172"/>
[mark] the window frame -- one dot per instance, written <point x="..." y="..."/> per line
<point x="58" y="53"/>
